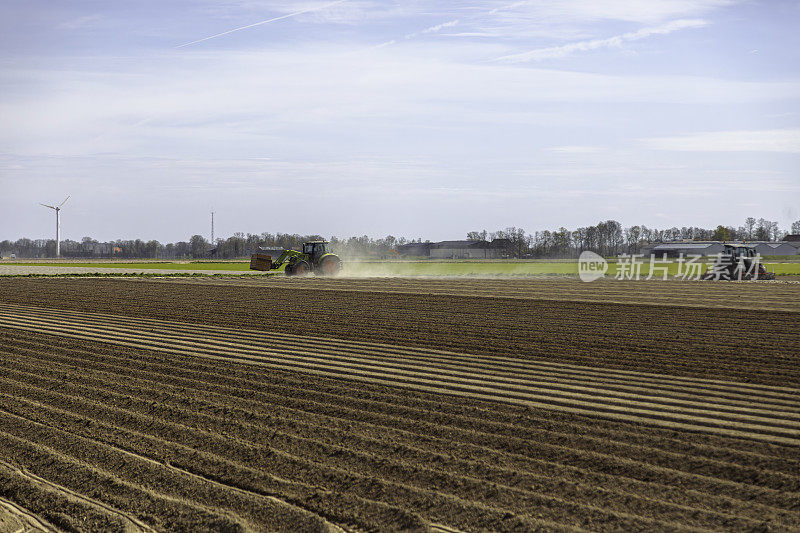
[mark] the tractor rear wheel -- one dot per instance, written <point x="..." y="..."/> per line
<point x="330" y="265"/>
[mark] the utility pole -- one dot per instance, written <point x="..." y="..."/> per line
<point x="212" y="228"/>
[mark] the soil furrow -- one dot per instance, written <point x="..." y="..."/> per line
<point x="564" y="331"/>
<point x="452" y="364"/>
<point x="239" y="378"/>
<point x="131" y="523"/>
<point x="686" y="462"/>
<point x="779" y="431"/>
<point x="94" y="452"/>
<point x="154" y="508"/>
<point x="397" y="404"/>
<point x="332" y="359"/>
<point x="518" y="498"/>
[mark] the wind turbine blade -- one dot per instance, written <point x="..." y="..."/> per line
<point x="50" y="206"/>
<point x="65" y="201"/>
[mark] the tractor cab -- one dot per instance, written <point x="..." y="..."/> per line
<point x="315" y="249"/>
<point x="738" y="251"/>
<point x="738" y="262"/>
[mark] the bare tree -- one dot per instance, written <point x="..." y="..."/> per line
<point x="632" y="236"/>
<point x="749" y="224"/>
<point x="777" y="234"/>
<point x="763" y="229"/>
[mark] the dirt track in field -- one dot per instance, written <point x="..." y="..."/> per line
<point x="19" y="520"/>
<point x="137" y="406"/>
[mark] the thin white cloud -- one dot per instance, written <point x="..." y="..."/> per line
<point x="779" y="140"/>
<point x="81" y="22"/>
<point x="472" y="34"/>
<point x="309" y="10"/>
<point x="509" y="7"/>
<point x="438" y="27"/>
<point x="588" y="11"/>
<point x="609" y="42"/>
<point x="432" y="29"/>
<point x="576" y="149"/>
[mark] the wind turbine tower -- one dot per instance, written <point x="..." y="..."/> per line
<point x="57" y="209"/>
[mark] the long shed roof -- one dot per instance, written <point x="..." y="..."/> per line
<point x="686" y="246"/>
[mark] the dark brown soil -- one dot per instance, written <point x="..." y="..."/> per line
<point x="742" y="345"/>
<point x="102" y="437"/>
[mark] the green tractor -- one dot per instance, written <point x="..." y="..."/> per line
<point x="738" y="262"/>
<point x="314" y="258"/>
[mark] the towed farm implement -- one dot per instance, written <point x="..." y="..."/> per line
<point x="314" y="258"/>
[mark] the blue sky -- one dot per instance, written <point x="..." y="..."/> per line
<point x="421" y="119"/>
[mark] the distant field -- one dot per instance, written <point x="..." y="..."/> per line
<point x="405" y="268"/>
<point x="154" y="265"/>
<point x="511" y="268"/>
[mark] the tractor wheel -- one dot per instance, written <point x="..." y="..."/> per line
<point x="329" y="266"/>
<point x="301" y="268"/>
<point x="289" y="270"/>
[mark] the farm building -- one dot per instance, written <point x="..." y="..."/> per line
<point x="457" y="249"/>
<point x="686" y="248"/>
<point x="776" y="248"/>
<point x="471" y="249"/>
<point x="464" y="250"/>
<point x="792" y="240"/>
<point x="415" y="249"/>
<point x="675" y="249"/>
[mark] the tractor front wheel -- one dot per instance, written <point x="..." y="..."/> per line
<point x="289" y="270"/>
<point x="301" y="268"/>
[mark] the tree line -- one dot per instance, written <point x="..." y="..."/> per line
<point x="197" y="247"/>
<point x="610" y="238"/>
<point x="606" y="238"/>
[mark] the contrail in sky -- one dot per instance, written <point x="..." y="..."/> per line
<point x="262" y="22"/>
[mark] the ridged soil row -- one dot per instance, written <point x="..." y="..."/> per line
<point x="221" y="382"/>
<point x="519" y="501"/>
<point x="110" y="446"/>
<point x="753" y="296"/>
<point x="766" y="423"/>
<point x="731" y="394"/>
<point x="721" y="343"/>
<point x="735" y="395"/>
<point x="233" y="379"/>
<point x="22" y="494"/>
<point x="114" y="516"/>
<point x="310" y="433"/>
<point x="370" y="444"/>
<point x="312" y="454"/>
<point x="14" y="517"/>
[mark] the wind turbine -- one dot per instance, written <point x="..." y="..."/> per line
<point x="58" y="224"/>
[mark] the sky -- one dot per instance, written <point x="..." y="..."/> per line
<point x="416" y="118"/>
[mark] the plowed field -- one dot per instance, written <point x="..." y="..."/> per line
<point x="139" y="406"/>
